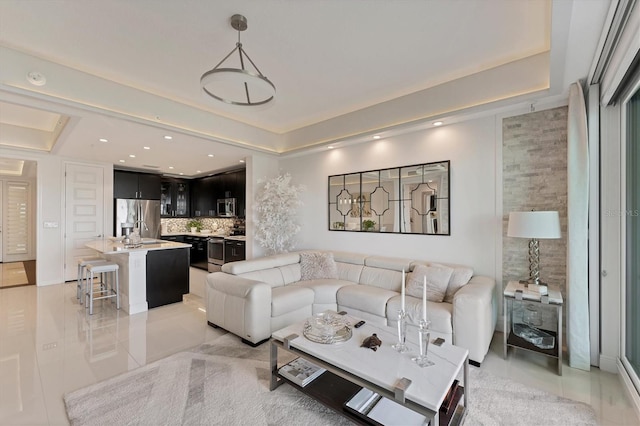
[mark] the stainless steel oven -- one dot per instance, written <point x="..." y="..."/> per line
<point x="215" y="253"/>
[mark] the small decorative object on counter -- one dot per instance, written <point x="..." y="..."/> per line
<point x="194" y="225"/>
<point x="372" y="342"/>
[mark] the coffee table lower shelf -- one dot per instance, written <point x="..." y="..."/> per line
<point x="334" y="391"/>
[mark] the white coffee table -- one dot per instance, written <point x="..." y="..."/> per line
<point x="389" y="373"/>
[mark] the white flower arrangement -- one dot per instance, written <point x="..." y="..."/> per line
<point x="276" y="207"/>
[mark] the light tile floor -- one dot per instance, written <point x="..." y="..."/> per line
<point x="49" y="346"/>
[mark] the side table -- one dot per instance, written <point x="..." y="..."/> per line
<point x="516" y="295"/>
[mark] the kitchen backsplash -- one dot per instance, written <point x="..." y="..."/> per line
<point x="216" y="225"/>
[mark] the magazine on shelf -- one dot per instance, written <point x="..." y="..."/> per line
<point x="300" y="371"/>
<point x="383" y="411"/>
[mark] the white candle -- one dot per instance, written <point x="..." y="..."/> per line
<point x="424" y="299"/>
<point x="402" y="290"/>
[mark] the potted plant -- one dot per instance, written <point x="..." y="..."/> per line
<point x="368" y="225"/>
<point x="195" y="225"/>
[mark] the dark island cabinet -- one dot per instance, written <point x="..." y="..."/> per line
<point x="143" y="186"/>
<point x="167" y="276"/>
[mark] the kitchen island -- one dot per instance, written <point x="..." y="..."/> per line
<point x="152" y="275"/>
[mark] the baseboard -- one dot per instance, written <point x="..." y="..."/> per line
<point x="609" y="364"/>
<point x="633" y="393"/>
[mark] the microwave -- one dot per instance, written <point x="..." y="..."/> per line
<point x="226" y="207"/>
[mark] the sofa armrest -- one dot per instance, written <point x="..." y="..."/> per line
<point x="239" y="305"/>
<point x="475" y="312"/>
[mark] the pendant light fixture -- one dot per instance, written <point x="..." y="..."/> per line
<point x="243" y="85"/>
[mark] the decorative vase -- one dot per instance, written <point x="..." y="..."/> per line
<point x="194" y="229"/>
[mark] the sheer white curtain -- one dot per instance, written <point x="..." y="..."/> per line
<point x="577" y="230"/>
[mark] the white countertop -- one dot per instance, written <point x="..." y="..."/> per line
<point x="236" y="237"/>
<point x="111" y="246"/>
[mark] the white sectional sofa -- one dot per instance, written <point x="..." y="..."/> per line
<point x="252" y="298"/>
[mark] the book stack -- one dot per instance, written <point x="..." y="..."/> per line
<point x="450" y="403"/>
<point x="300" y="371"/>
<point x="378" y="410"/>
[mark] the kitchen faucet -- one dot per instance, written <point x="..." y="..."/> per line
<point x="146" y="228"/>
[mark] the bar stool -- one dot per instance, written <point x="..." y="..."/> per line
<point x="106" y="291"/>
<point x="82" y="264"/>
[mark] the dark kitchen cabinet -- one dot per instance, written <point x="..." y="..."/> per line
<point x="198" y="251"/>
<point x="203" y="197"/>
<point x="174" y="198"/>
<point x="167" y="276"/>
<point x="232" y="185"/>
<point x="234" y="250"/>
<point x="144" y="186"/>
<point x="205" y="193"/>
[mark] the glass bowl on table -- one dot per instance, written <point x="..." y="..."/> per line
<point x="327" y="327"/>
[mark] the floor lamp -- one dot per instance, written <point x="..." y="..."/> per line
<point x="534" y="225"/>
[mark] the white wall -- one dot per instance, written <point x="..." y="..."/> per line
<point x="475" y="223"/>
<point x="50" y="256"/>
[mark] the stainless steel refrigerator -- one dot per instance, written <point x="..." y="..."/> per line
<point x="144" y="214"/>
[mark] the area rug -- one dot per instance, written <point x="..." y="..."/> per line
<point x="227" y="383"/>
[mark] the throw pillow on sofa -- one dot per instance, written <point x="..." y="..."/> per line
<point x="317" y="265"/>
<point x="437" y="282"/>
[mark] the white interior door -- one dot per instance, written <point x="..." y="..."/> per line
<point x="84" y="213"/>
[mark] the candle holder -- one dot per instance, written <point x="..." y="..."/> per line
<point x="423" y="341"/>
<point x="401" y="346"/>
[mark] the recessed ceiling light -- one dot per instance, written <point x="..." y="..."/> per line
<point x="132" y="156"/>
<point x="438" y="123"/>
<point x="198" y="171"/>
<point x="377" y="137"/>
<point x="170" y="167"/>
<point x="210" y="155"/>
<point x="181" y="174"/>
<point x="167" y="137"/>
<point x="242" y="161"/>
<point x="122" y="161"/>
<point x="330" y="147"/>
<point x="146" y="147"/>
<point x="103" y="140"/>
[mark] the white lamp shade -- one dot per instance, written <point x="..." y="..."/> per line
<point x="539" y="225"/>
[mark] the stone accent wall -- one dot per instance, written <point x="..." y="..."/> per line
<point x="534" y="155"/>
<point x="219" y="225"/>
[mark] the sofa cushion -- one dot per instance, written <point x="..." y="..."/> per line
<point x="290" y="273"/>
<point x="272" y="276"/>
<point x="349" y="272"/>
<point x="440" y="314"/>
<point x="387" y="279"/>
<point x="289" y="298"/>
<point x="459" y="278"/>
<point x="261" y="263"/>
<point x="365" y="298"/>
<point x="437" y="279"/>
<point x="317" y="265"/>
<point x="324" y="290"/>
